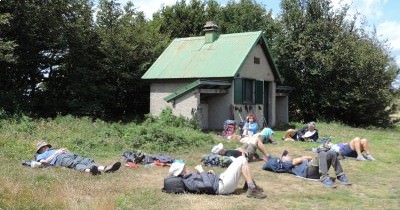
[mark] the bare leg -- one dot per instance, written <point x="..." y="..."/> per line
<point x="246" y="173"/>
<point x="364" y="146"/>
<point x="262" y="148"/>
<point x="355" y="145"/>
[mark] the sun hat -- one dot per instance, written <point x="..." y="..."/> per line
<point x="42" y="144"/>
<point x="309" y="133"/>
<point x="176" y="168"/>
<point x="217" y="148"/>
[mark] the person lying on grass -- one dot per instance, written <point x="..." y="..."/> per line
<point x="354" y="149"/>
<point x="248" y="150"/>
<point x="314" y="167"/>
<point x="48" y="156"/>
<point x="218" y="184"/>
<point x="308" y="133"/>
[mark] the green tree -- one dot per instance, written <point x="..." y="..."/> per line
<point x="339" y="72"/>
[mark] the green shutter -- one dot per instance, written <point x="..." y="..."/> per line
<point x="238" y="93"/>
<point x="259" y="92"/>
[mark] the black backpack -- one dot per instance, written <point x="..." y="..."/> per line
<point x="174" y="184"/>
<point x="275" y="164"/>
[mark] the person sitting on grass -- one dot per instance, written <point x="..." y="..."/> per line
<point x="250" y="127"/>
<point x="47" y="156"/>
<point x="308" y="133"/>
<point x="267" y="136"/>
<point x="354" y="148"/>
<point x="315" y="168"/>
<point x="218" y="184"/>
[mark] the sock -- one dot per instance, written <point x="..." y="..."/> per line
<point x="251" y="185"/>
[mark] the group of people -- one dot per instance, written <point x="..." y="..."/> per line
<point x="316" y="167"/>
<point x="225" y="183"/>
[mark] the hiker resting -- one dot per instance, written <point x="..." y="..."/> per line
<point x="354" y="148"/>
<point x="251" y="144"/>
<point x="47" y="156"/>
<point x="218" y="184"/>
<point x="250" y="127"/>
<point x="315" y="167"/>
<point x="308" y="133"/>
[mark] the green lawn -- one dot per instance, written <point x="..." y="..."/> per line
<point x="375" y="184"/>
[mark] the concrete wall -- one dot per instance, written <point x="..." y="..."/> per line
<point x="182" y="106"/>
<point x="282" y="110"/>
<point x="263" y="72"/>
<point x="260" y="71"/>
<point x="219" y="109"/>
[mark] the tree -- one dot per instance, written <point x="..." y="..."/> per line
<point x="338" y="72"/>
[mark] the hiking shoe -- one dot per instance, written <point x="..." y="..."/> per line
<point x="343" y="179"/>
<point x="360" y="158"/>
<point x="255" y="193"/>
<point x="112" y="168"/>
<point x="94" y="171"/>
<point x="369" y="157"/>
<point x="327" y="182"/>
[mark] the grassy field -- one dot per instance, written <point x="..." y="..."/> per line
<point x="375" y="184"/>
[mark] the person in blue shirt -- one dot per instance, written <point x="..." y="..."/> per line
<point x="250" y="127"/>
<point x="48" y="156"/>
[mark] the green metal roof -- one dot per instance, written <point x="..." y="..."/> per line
<point x="195" y="84"/>
<point x="193" y="58"/>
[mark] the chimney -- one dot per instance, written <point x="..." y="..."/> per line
<point x="210" y="32"/>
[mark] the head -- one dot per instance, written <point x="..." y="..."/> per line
<point x="42" y="146"/>
<point x="311" y="126"/>
<point x="251" y="118"/>
<point x="177" y="168"/>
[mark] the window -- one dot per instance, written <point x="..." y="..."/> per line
<point x="248" y="91"/>
<point x="256" y="60"/>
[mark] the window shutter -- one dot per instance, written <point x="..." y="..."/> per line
<point x="259" y="92"/>
<point x="238" y="92"/>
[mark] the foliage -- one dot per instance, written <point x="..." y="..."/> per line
<point x="339" y="71"/>
<point x="167" y="133"/>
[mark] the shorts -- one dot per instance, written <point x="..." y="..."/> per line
<point x="346" y="151"/>
<point x="229" y="179"/>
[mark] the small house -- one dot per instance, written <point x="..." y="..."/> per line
<point x="217" y="77"/>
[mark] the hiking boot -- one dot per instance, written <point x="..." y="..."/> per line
<point x="245" y="186"/>
<point x="343" y="179"/>
<point x="94" y="171"/>
<point x="327" y="182"/>
<point x="255" y="193"/>
<point x="360" y="158"/>
<point x="369" y="157"/>
<point x="112" y="168"/>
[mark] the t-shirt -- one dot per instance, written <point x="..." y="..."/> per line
<point x="252" y="127"/>
<point x="267" y="132"/>
<point x="47" y="154"/>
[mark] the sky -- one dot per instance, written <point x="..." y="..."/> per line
<point x="381" y="14"/>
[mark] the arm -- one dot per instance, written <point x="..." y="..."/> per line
<point x="46" y="158"/>
<point x="298" y="161"/>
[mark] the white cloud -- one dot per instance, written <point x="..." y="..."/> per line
<point x="371" y="9"/>
<point x="390" y="30"/>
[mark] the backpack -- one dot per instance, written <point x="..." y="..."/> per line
<point x="174" y="184"/>
<point x="275" y="164"/>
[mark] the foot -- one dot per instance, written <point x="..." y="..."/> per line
<point x="343" y="179"/>
<point x="256" y="193"/>
<point x="360" y="158"/>
<point x="94" y="171"/>
<point x="112" y="168"/>
<point x="369" y="157"/>
<point x="327" y="182"/>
